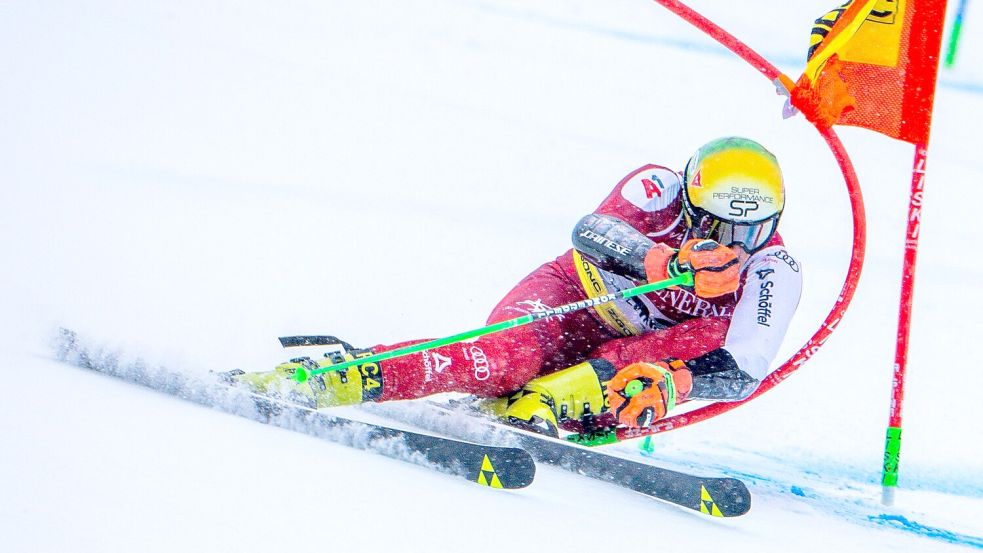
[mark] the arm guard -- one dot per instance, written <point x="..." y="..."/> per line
<point x="612" y="245"/>
<point x="716" y="376"/>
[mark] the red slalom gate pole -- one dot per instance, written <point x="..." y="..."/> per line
<point x="857" y="253"/>
<point x="892" y="445"/>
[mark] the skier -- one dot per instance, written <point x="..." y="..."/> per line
<point x="628" y="361"/>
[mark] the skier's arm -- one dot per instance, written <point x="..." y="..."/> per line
<point x="772" y="286"/>
<point x="616" y="246"/>
<point x="645" y="203"/>
<point x="612" y="245"/>
<point x="716" y="376"/>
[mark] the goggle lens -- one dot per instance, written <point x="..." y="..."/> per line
<point x="751" y="237"/>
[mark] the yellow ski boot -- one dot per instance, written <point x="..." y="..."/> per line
<point x="575" y="393"/>
<point x="331" y="389"/>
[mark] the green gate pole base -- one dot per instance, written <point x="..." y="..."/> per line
<point x="892" y="454"/>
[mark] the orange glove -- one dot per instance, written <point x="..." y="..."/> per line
<point x="715" y="268"/>
<point x="643" y="393"/>
<point x="657" y="262"/>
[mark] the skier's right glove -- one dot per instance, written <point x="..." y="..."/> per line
<point x="660" y="263"/>
<point x="715" y="268"/>
<point x="643" y="393"/>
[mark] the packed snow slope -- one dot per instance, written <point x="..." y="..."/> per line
<point x="188" y="181"/>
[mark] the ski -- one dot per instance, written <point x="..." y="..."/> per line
<point x="487" y="465"/>
<point x="720" y="497"/>
<point x="714" y="496"/>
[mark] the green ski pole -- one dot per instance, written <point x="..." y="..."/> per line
<point x="683" y="279"/>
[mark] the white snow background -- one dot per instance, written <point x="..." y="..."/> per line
<point x="187" y="181"/>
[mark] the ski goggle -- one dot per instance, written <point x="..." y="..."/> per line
<point x="751" y="237"/>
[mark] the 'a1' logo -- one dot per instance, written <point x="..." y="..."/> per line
<point x="651" y="188"/>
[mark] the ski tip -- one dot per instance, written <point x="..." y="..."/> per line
<point x="726" y="497"/>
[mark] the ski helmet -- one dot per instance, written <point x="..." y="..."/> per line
<point x="733" y="193"/>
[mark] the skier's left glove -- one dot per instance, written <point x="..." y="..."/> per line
<point x="643" y="393"/>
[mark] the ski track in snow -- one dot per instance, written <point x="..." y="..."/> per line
<point x="837" y="490"/>
<point x="833" y="489"/>
<point x="70" y="349"/>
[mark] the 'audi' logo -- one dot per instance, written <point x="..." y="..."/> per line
<point x="480" y="362"/>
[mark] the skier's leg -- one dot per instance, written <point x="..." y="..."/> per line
<point x="500" y="363"/>
<point x="574" y="397"/>
<point x="345" y="387"/>
<point x="684" y="341"/>
<point x="490" y="366"/>
<point x="574" y="394"/>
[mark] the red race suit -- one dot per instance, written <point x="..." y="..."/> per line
<point x="747" y="327"/>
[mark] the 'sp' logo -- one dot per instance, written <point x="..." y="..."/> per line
<point x="741" y="208"/>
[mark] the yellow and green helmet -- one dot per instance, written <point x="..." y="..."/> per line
<point x="733" y="193"/>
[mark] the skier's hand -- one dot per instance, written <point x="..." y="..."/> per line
<point x="657" y="262"/>
<point x="643" y="393"/>
<point x="715" y="268"/>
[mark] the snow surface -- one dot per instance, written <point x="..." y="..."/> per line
<point x="188" y="181"/>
